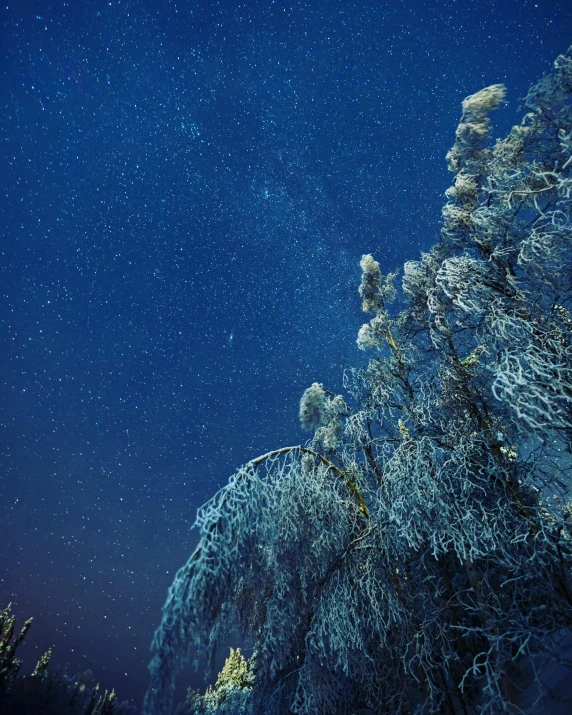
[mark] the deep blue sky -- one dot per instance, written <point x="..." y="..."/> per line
<point x="187" y="189"/>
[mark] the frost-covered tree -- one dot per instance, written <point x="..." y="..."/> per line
<point x="415" y="556"/>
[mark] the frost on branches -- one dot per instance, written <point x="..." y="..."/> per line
<point x="416" y="556"/>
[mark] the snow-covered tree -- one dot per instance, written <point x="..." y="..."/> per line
<point x="416" y="556"/>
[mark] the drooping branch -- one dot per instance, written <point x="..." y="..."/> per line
<point x="304" y="450"/>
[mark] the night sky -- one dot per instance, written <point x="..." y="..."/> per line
<point x="186" y="191"/>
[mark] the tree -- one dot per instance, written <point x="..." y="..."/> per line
<point x="45" y="691"/>
<point x="417" y="554"/>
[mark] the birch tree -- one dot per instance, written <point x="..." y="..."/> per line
<point x="417" y="551"/>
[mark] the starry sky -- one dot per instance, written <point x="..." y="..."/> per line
<point x="186" y="191"/>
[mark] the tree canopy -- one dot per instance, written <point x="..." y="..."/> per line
<point x="415" y="556"/>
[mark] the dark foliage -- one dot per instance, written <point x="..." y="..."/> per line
<point x="45" y="691"/>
